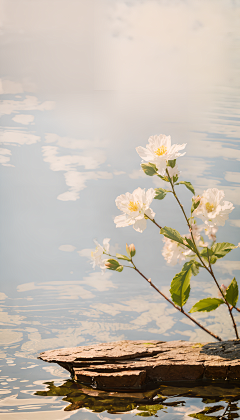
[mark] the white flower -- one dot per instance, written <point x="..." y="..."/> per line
<point x="174" y="252"/>
<point x="159" y="151"/>
<point x="211" y="231"/>
<point x="134" y="206"/>
<point x="99" y="252"/>
<point x="196" y="230"/>
<point x="173" y="171"/>
<point x="212" y="210"/>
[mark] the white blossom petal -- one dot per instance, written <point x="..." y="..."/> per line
<point x="145" y="154"/>
<point x="140" y="225"/>
<point x="133" y="207"/>
<point x="150" y="213"/>
<point x="212" y="209"/>
<point x="122" y="220"/>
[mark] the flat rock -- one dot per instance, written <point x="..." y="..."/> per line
<point x="139" y="364"/>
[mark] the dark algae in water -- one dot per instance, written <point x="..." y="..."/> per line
<point x="215" y="401"/>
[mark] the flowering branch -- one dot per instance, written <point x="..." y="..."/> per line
<point x="209" y="268"/>
<point x="175" y="306"/>
<point x="159" y="158"/>
<point x="152" y="220"/>
<point x="224" y="298"/>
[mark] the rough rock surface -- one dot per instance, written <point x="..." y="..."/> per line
<point x="138" y="364"/>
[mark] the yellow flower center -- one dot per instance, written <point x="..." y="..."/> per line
<point x="209" y="207"/>
<point x="133" y="206"/>
<point x="161" y="151"/>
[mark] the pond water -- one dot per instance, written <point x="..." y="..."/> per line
<point x="83" y="84"/>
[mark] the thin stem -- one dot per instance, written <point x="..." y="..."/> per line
<point x="237" y="309"/>
<point x="152" y="220"/>
<point x="209" y="269"/>
<point x="225" y="300"/>
<point x="175" y="306"/>
<point x="189" y="226"/>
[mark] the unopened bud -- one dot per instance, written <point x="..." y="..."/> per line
<point x="112" y="264"/>
<point x="223" y="289"/>
<point x="131" y="250"/>
<point x="197" y="198"/>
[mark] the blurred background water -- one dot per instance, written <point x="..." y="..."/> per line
<point x="83" y="83"/>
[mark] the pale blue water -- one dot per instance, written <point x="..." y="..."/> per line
<point x="84" y="84"/>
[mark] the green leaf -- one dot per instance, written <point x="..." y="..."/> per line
<point x="120" y="268"/>
<point x="160" y="193"/>
<point x="123" y="257"/>
<point x="171" y="163"/>
<point x="171" y="234"/>
<point x="220" y="249"/>
<point x="190" y="244"/>
<point x="208" y="255"/>
<point x="193" y="265"/>
<point x="195" y="205"/>
<point x="206" y="305"/>
<point x="180" y="286"/>
<point x="175" y="178"/>
<point x="149" y="168"/>
<point x="164" y="178"/>
<point x="232" y="293"/>
<point x="188" y="185"/>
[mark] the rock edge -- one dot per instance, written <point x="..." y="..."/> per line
<point x="140" y="364"/>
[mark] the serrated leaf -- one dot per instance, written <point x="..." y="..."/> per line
<point x="220" y="249"/>
<point x="206" y="252"/>
<point x="160" y="193"/>
<point x="180" y="287"/>
<point x="171" y="163"/>
<point x="232" y="293"/>
<point x="208" y="255"/>
<point x="172" y="234"/>
<point x="206" y="305"/>
<point x="188" y="185"/>
<point x="123" y="257"/>
<point x="149" y="168"/>
<point x="195" y="268"/>
<point x="193" y="265"/>
<point x="120" y="268"/>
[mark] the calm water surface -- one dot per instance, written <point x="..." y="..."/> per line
<point x="82" y="85"/>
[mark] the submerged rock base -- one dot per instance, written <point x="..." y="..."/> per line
<point x="143" y="364"/>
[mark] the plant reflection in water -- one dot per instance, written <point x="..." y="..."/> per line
<point x="221" y="400"/>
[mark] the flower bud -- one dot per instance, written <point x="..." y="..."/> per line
<point x="223" y="289"/>
<point x="112" y="264"/>
<point x="197" y="198"/>
<point x="131" y="250"/>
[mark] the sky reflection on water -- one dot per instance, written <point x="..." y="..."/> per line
<point x="82" y="85"/>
